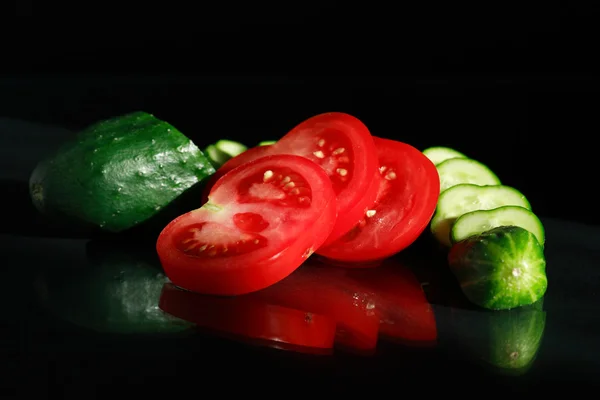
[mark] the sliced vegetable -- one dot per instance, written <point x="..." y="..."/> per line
<point x="267" y="142"/>
<point x="221" y="151"/>
<point x="464" y="198"/>
<point x="216" y="156"/>
<point x="439" y="154"/>
<point x="407" y="197"/>
<point x="476" y="222"/>
<point x="500" y="269"/>
<point x="465" y="170"/>
<point x="231" y="147"/>
<point x="262" y="221"/>
<point x="343" y="146"/>
<point x="118" y="173"/>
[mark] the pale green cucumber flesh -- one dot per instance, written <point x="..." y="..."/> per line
<point x="230" y="147"/>
<point x="267" y="142"/>
<point x="456" y="171"/>
<point x="464" y="198"/>
<point x="216" y="156"/>
<point x="439" y="154"/>
<point x="476" y="222"/>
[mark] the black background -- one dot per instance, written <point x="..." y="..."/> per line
<point x="514" y="86"/>
<point x="509" y="85"/>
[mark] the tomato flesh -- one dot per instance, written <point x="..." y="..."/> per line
<point x="343" y="146"/>
<point x="408" y="190"/>
<point x="252" y="320"/>
<point x="261" y="222"/>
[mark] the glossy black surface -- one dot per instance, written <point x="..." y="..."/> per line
<point x="47" y="354"/>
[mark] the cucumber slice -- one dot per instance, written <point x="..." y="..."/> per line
<point x="463" y="198"/>
<point x="216" y="156"/>
<point x="221" y="151"/>
<point x="267" y="142"/>
<point x="465" y="170"/>
<point x="476" y="222"/>
<point x="230" y="147"/>
<point x="439" y="154"/>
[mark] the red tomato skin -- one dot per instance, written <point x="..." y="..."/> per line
<point x="351" y="203"/>
<point x="251" y="319"/>
<point x="241" y="274"/>
<point x="417" y="187"/>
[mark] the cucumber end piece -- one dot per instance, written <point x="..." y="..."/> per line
<point x="500" y="269"/>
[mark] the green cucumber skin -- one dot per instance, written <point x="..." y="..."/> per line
<point x="118" y="173"/>
<point x="500" y="269"/>
<point x="497" y="213"/>
<point x="267" y="142"/>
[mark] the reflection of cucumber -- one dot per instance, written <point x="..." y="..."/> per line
<point x="118" y="292"/>
<point x="464" y="198"/>
<point x="476" y="222"/>
<point x="501" y="268"/>
<point x="439" y="154"/>
<point x="507" y="341"/>
<point x="515" y="338"/>
<point x="464" y="170"/>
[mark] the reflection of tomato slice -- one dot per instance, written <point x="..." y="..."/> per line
<point x="343" y="146"/>
<point x="250" y="319"/>
<point x="324" y="290"/>
<point x="262" y="221"/>
<point x="404" y="312"/>
<point x="408" y="192"/>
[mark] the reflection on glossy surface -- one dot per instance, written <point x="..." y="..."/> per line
<point x="252" y="320"/>
<point x="117" y="291"/>
<point x="364" y="305"/>
<point x="508" y="341"/>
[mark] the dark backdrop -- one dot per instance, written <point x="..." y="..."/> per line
<point x="511" y="86"/>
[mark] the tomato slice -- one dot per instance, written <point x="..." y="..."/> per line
<point x="343" y="146"/>
<point x="261" y="222"/>
<point x="323" y="290"/>
<point x="407" y="197"/>
<point x="252" y="320"/>
<point x="405" y="314"/>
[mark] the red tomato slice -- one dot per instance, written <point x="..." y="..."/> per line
<point x="262" y="221"/>
<point x="409" y="187"/>
<point x="343" y="146"/>
<point x="250" y="319"/>
<point x="251" y="154"/>
<point x="324" y="290"/>
<point x="400" y="302"/>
